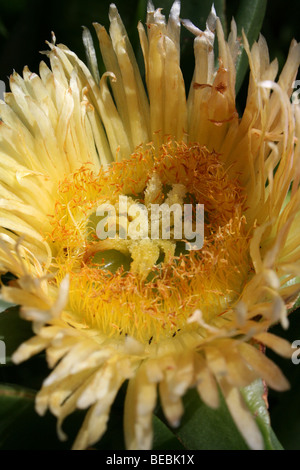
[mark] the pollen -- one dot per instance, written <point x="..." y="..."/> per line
<point x="148" y="287"/>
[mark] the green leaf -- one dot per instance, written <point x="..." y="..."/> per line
<point x="253" y="395"/>
<point x="276" y="445"/>
<point x="249" y="18"/>
<point x="203" y="428"/>
<point x="164" y="437"/>
<point x="13" y="330"/>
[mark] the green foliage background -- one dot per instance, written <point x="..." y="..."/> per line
<point x="24" y="27"/>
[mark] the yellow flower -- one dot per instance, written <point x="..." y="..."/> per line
<point x="149" y="311"/>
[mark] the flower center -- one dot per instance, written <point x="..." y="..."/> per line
<point x="139" y="263"/>
<point x="145" y="228"/>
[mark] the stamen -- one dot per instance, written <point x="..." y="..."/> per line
<point x="149" y="288"/>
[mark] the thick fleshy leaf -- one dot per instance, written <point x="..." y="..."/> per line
<point x="164" y="438"/>
<point x="254" y="396"/>
<point x="249" y="17"/>
<point x="203" y="428"/>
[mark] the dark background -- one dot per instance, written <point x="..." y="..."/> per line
<point x="26" y="24"/>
